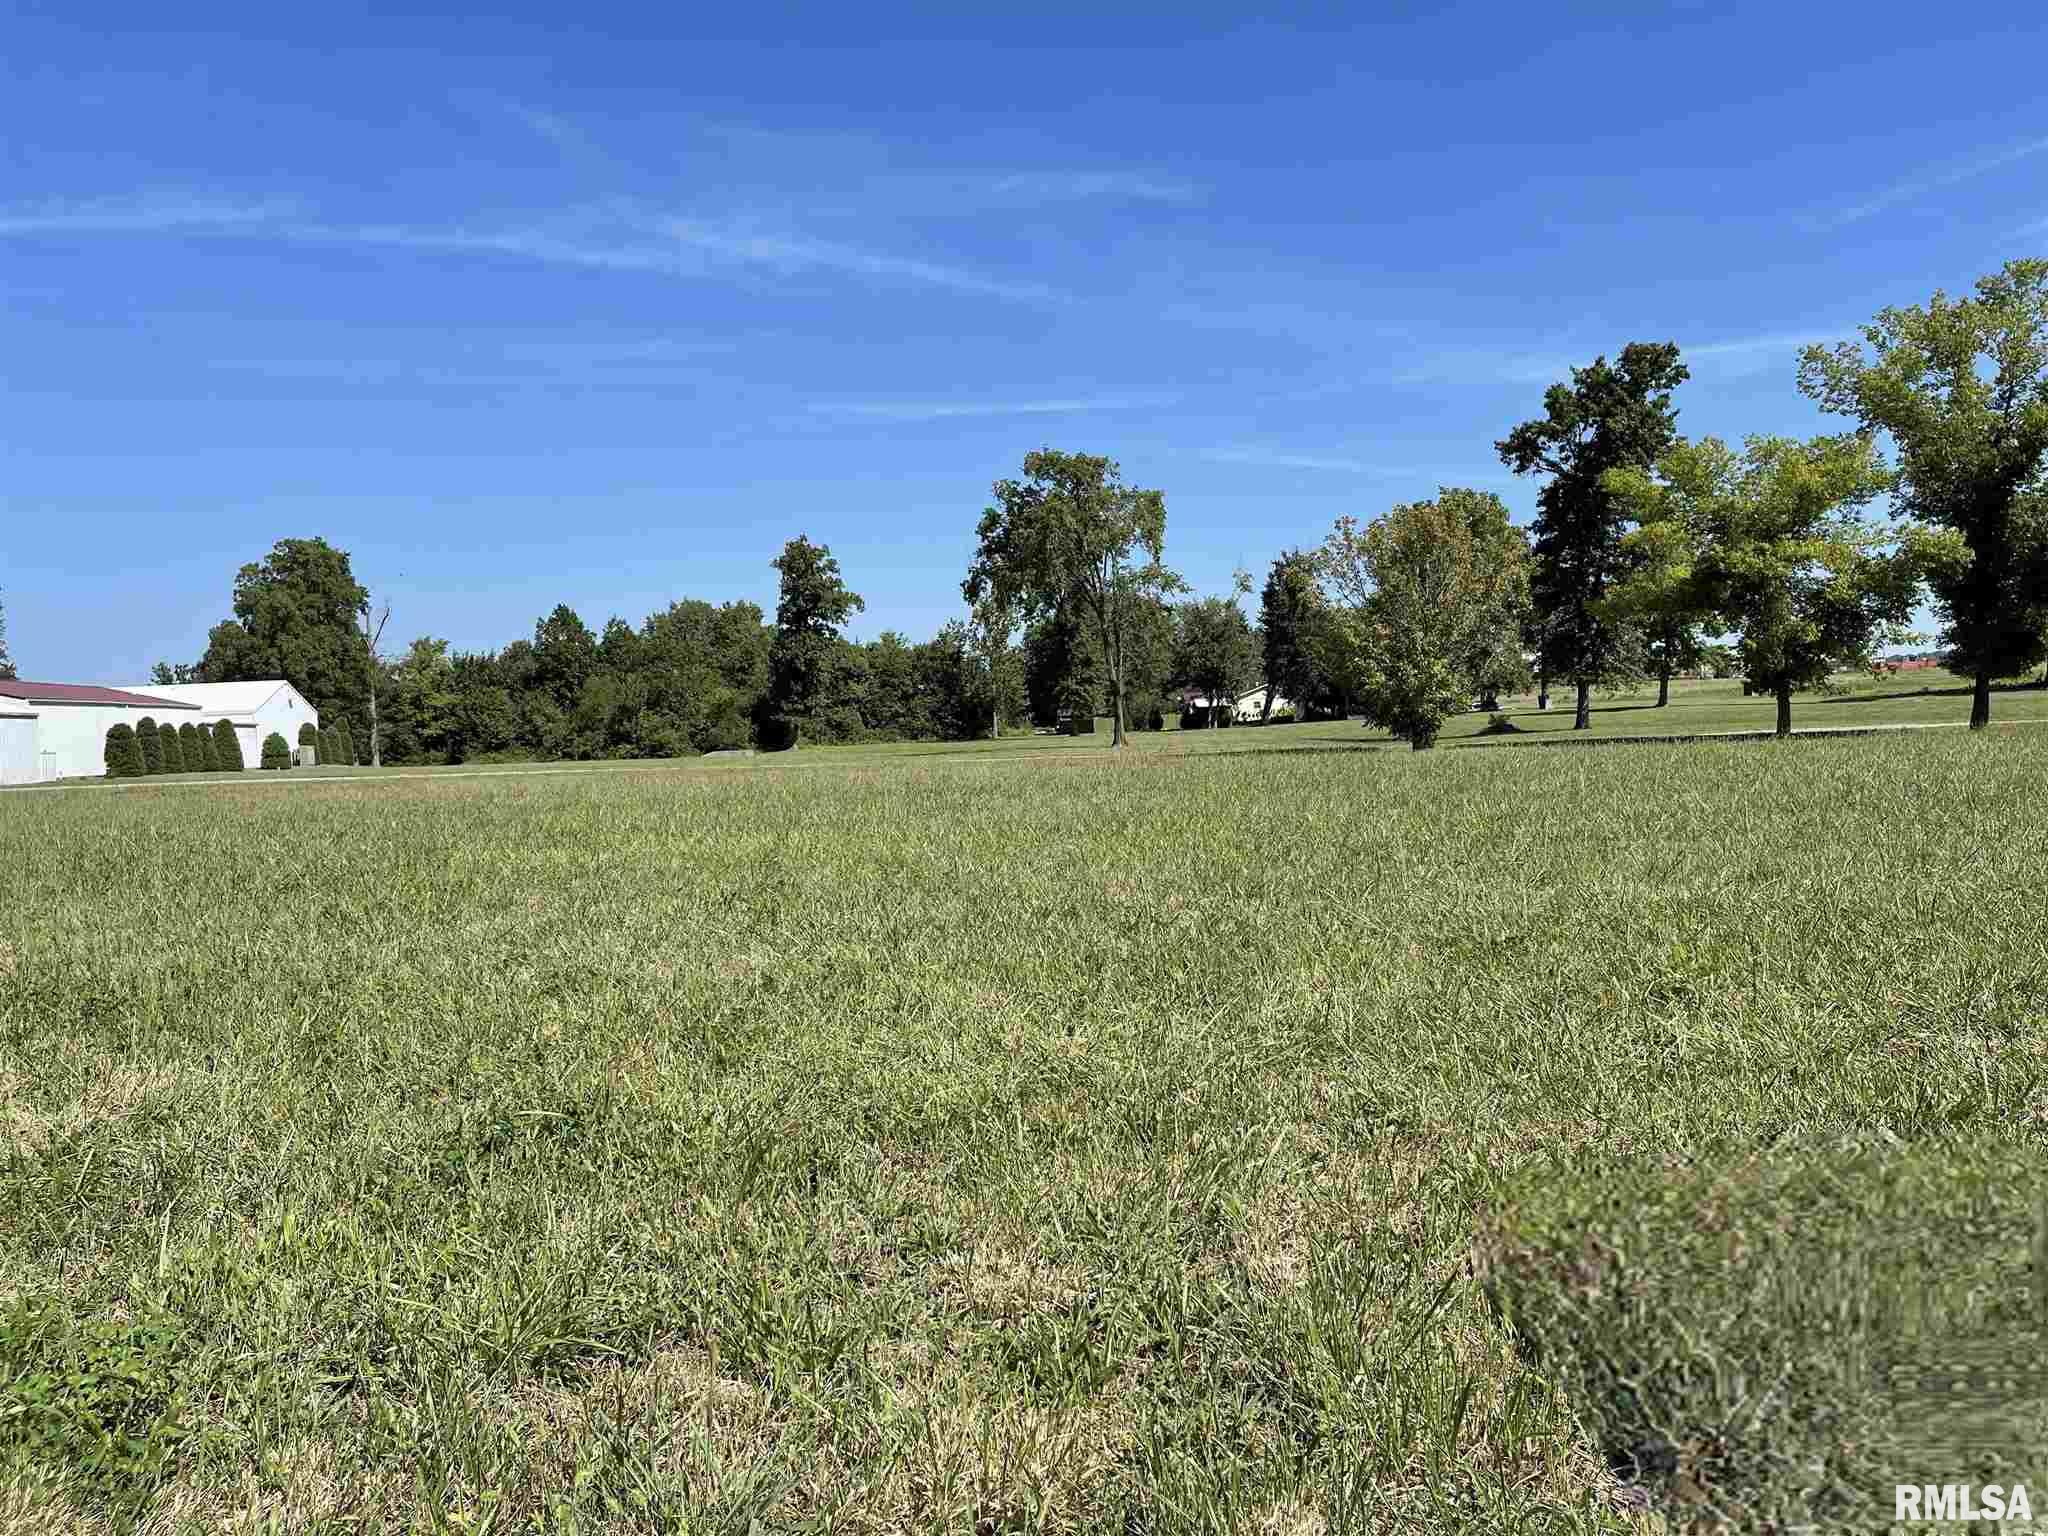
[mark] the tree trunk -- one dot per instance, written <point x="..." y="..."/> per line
<point x="1583" y="720"/>
<point x="1543" y="688"/>
<point x="1784" y="709"/>
<point x="376" y="746"/>
<point x="1663" y="684"/>
<point x="1420" y="742"/>
<point x="1116" y="686"/>
<point x="1980" y="703"/>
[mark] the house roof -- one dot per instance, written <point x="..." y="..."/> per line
<point x="85" y="693"/>
<point x="222" y="698"/>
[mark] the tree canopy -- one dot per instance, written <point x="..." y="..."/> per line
<point x="1432" y="597"/>
<point x="1214" y="651"/>
<point x="1961" y="388"/>
<point x="1778" y="551"/>
<point x="1070" y="537"/>
<point x="295" y="618"/>
<point x="812" y="604"/>
<point x="1609" y="416"/>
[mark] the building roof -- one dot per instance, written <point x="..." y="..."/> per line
<point x="221" y="698"/>
<point x="85" y="693"/>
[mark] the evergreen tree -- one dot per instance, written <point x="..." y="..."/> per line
<point x="170" y="748"/>
<point x="1609" y="417"/>
<point x="197" y="743"/>
<point x="227" y="749"/>
<point x="330" y="746"/>
<point x="277" y="752"/>
<point x="146" y="742"/>
<point x="344" y="744"/>
<point x="124" y="756"/>
<point x="309" y="736"/>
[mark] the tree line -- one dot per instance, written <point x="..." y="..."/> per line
<point x="1649" y="555"/>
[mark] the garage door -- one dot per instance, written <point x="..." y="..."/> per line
<point x="18" y="749"/>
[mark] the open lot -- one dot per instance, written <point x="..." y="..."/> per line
<point x="912" y="1139"/>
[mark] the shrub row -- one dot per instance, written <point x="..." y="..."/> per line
<point x="148" y="748"/>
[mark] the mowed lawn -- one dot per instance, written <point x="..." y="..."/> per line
<point x="973" y="1142"/>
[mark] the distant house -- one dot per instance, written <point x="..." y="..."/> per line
<point x="59" y="730"/>
<point x="254" y="709"/>
<point x="1241" y="709"/>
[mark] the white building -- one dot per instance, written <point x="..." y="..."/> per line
<point x="255" y="709"/>
<point x="59" y="730"/>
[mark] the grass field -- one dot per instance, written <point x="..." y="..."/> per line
<point x="1010" y="1139"/>
<point x="1697" y="708"/>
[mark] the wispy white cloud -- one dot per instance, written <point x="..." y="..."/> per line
<point x="1274" y="458"/>
<point x="1424" y="478"/>
<point x="943" y="410"/>
<point x="139" y="215"/>
<point x="790" y="253"/>
<point x="1089" y="186"/>
<point x="1934" y="180"/>
<point x="611" y="237"/>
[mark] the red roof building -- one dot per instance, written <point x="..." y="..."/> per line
<point x="83" y="693"/>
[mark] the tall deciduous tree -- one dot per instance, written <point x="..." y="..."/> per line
<point x="1610" y="416"/>
<point x="804" y="662"/>
<point x="1781" y="553"/>
<point x="174" y="672"/>
<point x="1961" y="388"/>
<point x="295" y="618"/>
<point x="1071" y="537"/>
<point x="1214" y="651"/>
<point x="1431" y="596"/>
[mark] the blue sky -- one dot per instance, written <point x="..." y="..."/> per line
<point x="600" y="305"/>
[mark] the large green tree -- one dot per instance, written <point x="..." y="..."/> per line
<point x="1961" y="388"/>
<point x="1062" y="674"/>
<point x="805" y="666"/>
<point x="1294" y="623"/>
<point x="296" y="618"/>
<point x="1071" y="537"/>
<point x="1214" y="652"/>
<point x="1781" y="554"/>
<point x="1609" y="416"/>
<point x="1432" y="597"/>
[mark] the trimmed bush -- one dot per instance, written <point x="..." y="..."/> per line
<point x="197" y="743"/>
<point x="227" y="751"/>
<point x="1777" y="1341"/>
<point x="277" y="752"/>
<point x="344" y="743"/>
<point x="328" y="750"/>
<point x="170" y="748"/>
<point x="124" y="754"/>
<point x="309" y="736"/>
<point x="152" y="749"/>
